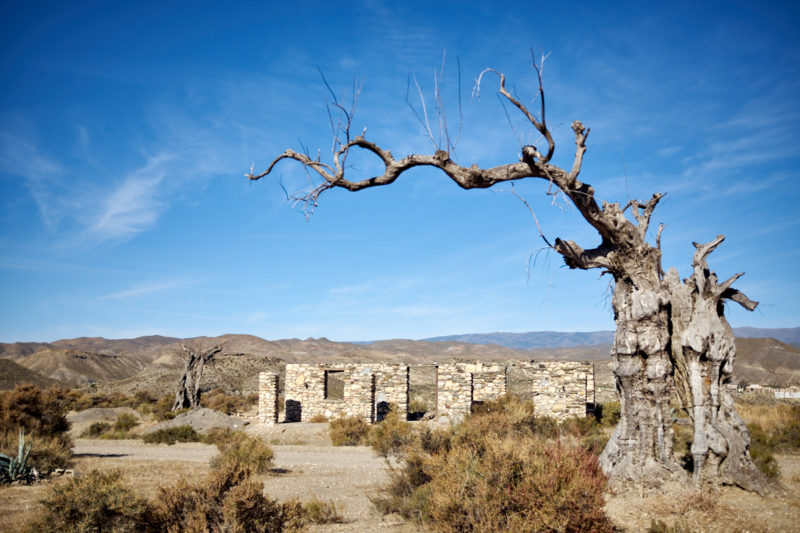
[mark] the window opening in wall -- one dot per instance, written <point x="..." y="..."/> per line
<point x="334" y="385"/>
<point x="520" y="382"/>
<point x="422" y="391"/>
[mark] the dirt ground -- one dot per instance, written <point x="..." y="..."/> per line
<point x="307" y="466"/>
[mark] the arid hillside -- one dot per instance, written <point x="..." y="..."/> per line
<point x="12" y="374"/>
<point x="76" y="368"/>
<point x="155" y="363"/>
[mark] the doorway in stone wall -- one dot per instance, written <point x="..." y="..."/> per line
<point x="520" y="382"/>
<point x="422" y="391"/>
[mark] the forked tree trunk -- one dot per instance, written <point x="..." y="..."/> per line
<point x="188" y="395"/>
<point x="674" y="332"/>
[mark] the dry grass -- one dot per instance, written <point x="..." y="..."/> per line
<point x="770" y="415"/>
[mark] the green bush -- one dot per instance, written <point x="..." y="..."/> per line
<point x="125" y="422"/>
<point x="185" y="433"/>
<point x="608" y="413"/>
<point x="95" y="430"/>
<point x="348" y="431"/>
<point x="762" y="446"/>
<point x="97" y="502"/>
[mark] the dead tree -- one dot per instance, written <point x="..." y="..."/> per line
<point x="188" y="394"/>
<point x="669" y="332"/>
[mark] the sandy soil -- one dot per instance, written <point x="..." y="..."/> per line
<point x="307" y="466"/>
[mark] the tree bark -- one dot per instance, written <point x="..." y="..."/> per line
<point x="188" y="395"/>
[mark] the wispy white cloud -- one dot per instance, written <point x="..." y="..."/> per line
<point x="146" y="289"/>
<point x="20" y="157"/>
<point x="132" y="206"/>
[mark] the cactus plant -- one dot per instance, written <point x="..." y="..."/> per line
<point x="17" y="468"/>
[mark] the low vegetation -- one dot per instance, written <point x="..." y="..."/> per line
<point x="219" y="401"/>
<point x="228" y="499"/>
<point x="349" y="431"/>
<point x="121" y="429"/>
<point x="185" y="433"/>
<point x="502" y="469"/>
<point x="237" y="448"/>
<point x="41" y="415"/>
<point x="774" y="427"/>
<point x="98" y="501"/>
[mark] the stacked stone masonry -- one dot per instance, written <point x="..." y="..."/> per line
<point x="560" y="389"/>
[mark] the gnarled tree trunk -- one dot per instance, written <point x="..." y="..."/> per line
<point x="188" y="395"/>
<point x="670" y="333"/>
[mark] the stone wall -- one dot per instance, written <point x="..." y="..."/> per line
<point x="268" y="398"/>
<point x="560" y="389"/>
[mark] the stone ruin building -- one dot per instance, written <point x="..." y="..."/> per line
<point x="560" y="389"/>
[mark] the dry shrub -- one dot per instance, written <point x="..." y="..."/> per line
<point x="659" y="526"/>
<point x="497" y="471"/>
<point x="162" y="410"/>
<point x="219" y="401"/>
<point x="97" y="502"/>
<point x="294" y="515"/>
<point x="318" y="418"/>
<point x="79" y="400"/>
<point x="227" y="500"/>
<point x="348" y="431"/>
<point x="185" y="433"/>
<point x="391" y="436"/>
<point x="125" y="422"/>
<point x="317" y="511"/>
<point x="237" y="448"/>
<point x="95" y="430"/>
<point x="42" y="416"/>
<point x="514" y="484"/>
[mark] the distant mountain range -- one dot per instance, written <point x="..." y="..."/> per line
<point x="561" y="339"/>
<point x="155" y="363"/>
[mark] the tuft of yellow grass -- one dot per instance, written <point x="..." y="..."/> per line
<point x="769" y="415"/>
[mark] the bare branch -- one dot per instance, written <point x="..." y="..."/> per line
<point x="643" y="218"/>
<point x="581" y="134"/>
<point x="740" y="298"/>
<point x="704" y="250"/>
<point x="533" y="214"/>
<point x="658" y="247"/>
<point x="577" y="257"/>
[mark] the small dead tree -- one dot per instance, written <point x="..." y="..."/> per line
<point x="188" y="394"/>
<point x="669" y="333"/>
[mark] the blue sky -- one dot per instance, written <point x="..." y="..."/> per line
<point x="125" y="132"/>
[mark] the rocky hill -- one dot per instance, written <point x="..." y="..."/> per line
<point x="156" y="362"/>
<point x="13" y="374"/>
<point x="75" y="368"/>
